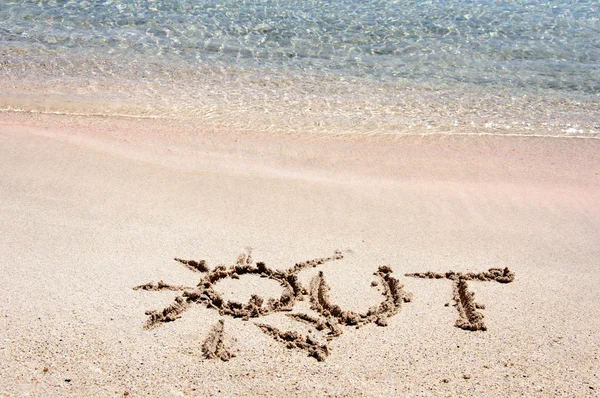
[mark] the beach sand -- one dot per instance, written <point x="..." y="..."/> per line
<point x="92" y="207"/>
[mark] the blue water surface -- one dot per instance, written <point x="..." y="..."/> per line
<point x="553" y="44"/>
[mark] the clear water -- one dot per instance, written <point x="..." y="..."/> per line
<point x="350" y="62"/>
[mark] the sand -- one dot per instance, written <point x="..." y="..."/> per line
<point x="91" y="208"/>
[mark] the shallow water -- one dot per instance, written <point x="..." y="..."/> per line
<point x="369" y="66"/>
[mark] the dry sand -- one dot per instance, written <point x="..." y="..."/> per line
<point x="92" y="207"/>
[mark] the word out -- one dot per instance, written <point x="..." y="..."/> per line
<point x="328" y="320"/>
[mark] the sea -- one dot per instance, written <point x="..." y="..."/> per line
<point x="376" y="67"/>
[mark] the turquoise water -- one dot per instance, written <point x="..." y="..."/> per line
<point x="159" y="52"/>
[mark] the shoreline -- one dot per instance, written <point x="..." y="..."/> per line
<point x="570" y="133"/>
<point x="92" y="207"/>
<point x="315" y="103"/>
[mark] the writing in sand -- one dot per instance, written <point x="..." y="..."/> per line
<point x="327" y="319"/>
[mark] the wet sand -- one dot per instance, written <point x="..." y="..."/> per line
<point x="93" y="207"/>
